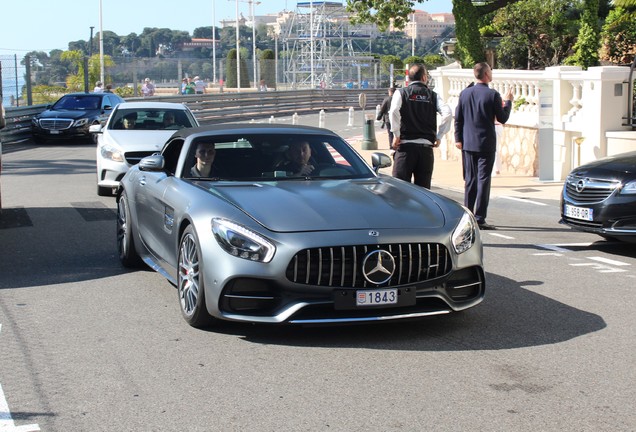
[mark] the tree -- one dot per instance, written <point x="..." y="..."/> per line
<point x="533" y="34"/>
<point x="618" y="37"/>
<point x="75" y="81"/>
<point x="587" y="44"/>
<point x="268" y="68"/>
<point x="467" y="14"/>
<point x="230" y="71"/>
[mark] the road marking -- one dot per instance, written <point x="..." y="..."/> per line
<point x="601" y="268"/>
<point x="523" y="200"/>
<point x="502" y="236"/>
<point x="6" y="421"/>
<point x="609" y="261"/>
<point x="555" y="248"/>
<point x="548" y="254"/>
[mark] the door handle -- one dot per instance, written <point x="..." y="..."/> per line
<point x="142" y="181"/>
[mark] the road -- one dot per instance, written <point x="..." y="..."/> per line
<point x="86" y="345"/>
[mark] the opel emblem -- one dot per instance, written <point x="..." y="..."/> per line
<point x="374" y="233"/>
<point x="378" y="267"/>
<point x="580" y="185"/>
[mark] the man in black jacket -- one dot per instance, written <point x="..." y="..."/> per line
<point x="413" y="117"/>
<point x="478" y="108"/>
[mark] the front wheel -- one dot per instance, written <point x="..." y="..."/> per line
<point x="190" y="283"/>
<point x="125" y="237"/>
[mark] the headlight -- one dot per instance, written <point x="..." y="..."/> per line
<point x="111" y="152"/>
<point x="464" y="235"/>
<point x="80" y="122"/>
<point x="242" y="242"/>
<point x="629" y="188"/>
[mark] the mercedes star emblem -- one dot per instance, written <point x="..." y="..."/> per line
<point x="378" y="267"/>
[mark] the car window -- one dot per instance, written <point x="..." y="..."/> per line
<point x="78" y="102"/>
<point x="152" y="119"/>
<point x="108" y="101"/>
<point x="170" y="153"/>
<point x="269" y="157"/>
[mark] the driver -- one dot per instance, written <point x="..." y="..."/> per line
<point x="298" y="159"/>
<point x="168" y="120"/>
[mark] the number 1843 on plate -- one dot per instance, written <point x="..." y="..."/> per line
<point x="376" y="297"/>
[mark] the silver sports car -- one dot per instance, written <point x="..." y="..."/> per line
<point x="288" y="224"/>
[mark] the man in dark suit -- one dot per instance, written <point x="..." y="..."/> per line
<point x="477" y="109"/>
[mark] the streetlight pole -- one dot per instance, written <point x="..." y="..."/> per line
<point x="213" y="42"/>
<point x="413" y="35"/>
<point x="311" y="42"/>
<point x="254" y="40"/>
<point x="238" y="53"/>
<point x="90" y="44"/>
<point x="101" y="44"/>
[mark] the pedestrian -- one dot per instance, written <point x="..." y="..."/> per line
<point x="262" y="86"/>
<point x="184" y="83"/>
<point x="189" y="86"/>
<point x="413" y="118"/>
<point x="98" y="87"/>
<point x="148" y="88"/>
<point x="199" y="85"/>
<point x="478" y="108"/>
<point x="383" y="115"/>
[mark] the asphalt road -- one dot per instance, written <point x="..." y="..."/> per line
<point x="86" y="345"/>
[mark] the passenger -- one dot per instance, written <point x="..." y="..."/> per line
<point x="204" y="154"/>
<point x="128" y="122"/>
<point x="298" y="159"/>
<point x="169" y="121"/>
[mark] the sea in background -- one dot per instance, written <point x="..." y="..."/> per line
<point x="9" y="81"/>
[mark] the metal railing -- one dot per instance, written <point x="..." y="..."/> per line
<point x="216" y="108"/>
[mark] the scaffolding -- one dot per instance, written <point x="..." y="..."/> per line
<point x="324" y="50"/>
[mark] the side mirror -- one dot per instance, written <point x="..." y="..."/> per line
<point x="154" y="162"/>
<point x="96" y="128"/>
<point x="379" y="161"/>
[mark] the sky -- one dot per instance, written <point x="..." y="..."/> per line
<point x="48" y="25"/>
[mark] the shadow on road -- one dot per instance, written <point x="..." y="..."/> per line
<point x="509" y="317"/>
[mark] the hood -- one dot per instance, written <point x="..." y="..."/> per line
<point x="138" y="140"/>
<point x="66" y="114"/>
<point x="296" y="206"/>
<point x="621" y="166"/>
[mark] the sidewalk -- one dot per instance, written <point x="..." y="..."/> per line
<point x="447" y="174"/>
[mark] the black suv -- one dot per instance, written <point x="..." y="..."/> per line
<point x="72" y="115"/>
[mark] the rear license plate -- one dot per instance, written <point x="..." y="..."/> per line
<point x="581" y="213"/>
<point x="376" y="297"/>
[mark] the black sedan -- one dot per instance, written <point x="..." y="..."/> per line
<point x="72" y="115"/>
<point x="600" y="197"/>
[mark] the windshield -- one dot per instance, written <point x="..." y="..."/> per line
<point x="79" y="102"/>
<point x="273" y="157"/>
<point x="151" y="119"/>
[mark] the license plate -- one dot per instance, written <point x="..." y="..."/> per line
<point x="376" y="297"/>
<point x="54" y="132"/>
<point x="581" y="213"/>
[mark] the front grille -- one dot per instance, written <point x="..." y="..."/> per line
<point x="56" y="123"/>
<point x="582" y="223"/>
<point x="584" y="190"/>
<point x="341" y="266"/>
<point x="133" y="158"/>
